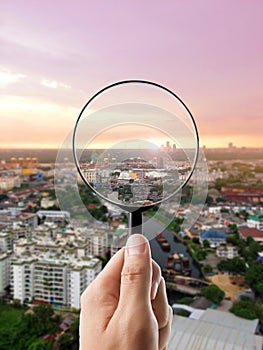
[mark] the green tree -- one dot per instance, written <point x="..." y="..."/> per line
<point x="213" y="293"/>
<point x="185" y="300"/>
<point x="219" y="183"/>
<point x="65" y="341"/>
<point x="233" y="228"/>
<point x="254" y="274"/>
<point x="237" y="265"/>
<point x="43" y="318"/>
<point x="259" y="288"/>
<point x="39" y="344"/>
<point x="183" y="313"/>
<point x="248" y="309"/>
<point x="254" y="248"/>
<point x="200" y="254"/>
<point x="249" y="240"/>
<point x="222" y="200"/>
<point x="234" y="266"/>
<point x="233" y="239"/>
<point x="206" y="244"/>
<point x="207" y="269"/>
<point x="195" y="240"/>
<point x="223" y="265"/>
<point x="74" y="330"/>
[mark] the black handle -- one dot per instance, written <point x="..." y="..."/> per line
<point x="135" y="221"/>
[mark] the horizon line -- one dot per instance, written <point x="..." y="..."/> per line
<point x="57" y="148"/>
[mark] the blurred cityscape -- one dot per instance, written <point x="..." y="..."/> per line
<point x="213" y="270"/>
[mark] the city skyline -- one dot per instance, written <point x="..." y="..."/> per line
<point x="55" y="56"/>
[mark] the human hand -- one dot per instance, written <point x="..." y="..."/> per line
<point x="125" y="307"/>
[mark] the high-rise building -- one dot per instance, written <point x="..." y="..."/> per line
<point x="53" y="265"/>
<point x="99" y="242"/>
<point x="80" y="275"/>
<point x="57" y="280"/>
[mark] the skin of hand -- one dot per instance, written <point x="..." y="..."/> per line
<point x="125" y="307"/>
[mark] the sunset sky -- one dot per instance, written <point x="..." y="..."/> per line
<point x="54" y="55"/>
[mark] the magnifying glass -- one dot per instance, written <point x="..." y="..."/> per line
<point x="135" y="145"/>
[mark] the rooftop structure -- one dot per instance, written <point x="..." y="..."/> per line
<point x="214" y="329"/>
<point x="214" y="237"/>
<point x="255" y="233"/>
<point x="243" y="194"/>
<point x="53" y="214"/>
<point x="255" y="221"/>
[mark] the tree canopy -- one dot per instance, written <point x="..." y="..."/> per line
<point x="254" y="276"/>
<point x="247" y="308"/>
<point x="213" y="293"/>
<point x="234" y="266"/>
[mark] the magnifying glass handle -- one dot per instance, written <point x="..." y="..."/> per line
<point x="135" y="222"/>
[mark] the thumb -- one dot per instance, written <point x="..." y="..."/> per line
<point x="136" y="273"/>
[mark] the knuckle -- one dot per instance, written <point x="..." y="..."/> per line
<point x="132" y="272"/>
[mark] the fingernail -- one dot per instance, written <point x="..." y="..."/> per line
<point x="154" y="290"/>
<point x="136" y="244"/>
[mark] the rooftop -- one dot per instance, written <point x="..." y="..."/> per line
<point x="212" y="234"/>
<point x="251" y="232"/>
<point x="214" y="330"/>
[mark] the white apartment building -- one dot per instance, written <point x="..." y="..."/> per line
<point x="80" y="275"/>
<point x="5" y="262"/>
<point x="50" y="281"/>
<point x="226" y="251"/>
<point x="5" y="241"/>
<point x="54" y="265"/>
<point x="22" y="278"/>
<point x="90" y="175"/>
<point x="59" y="281"/>
<point x="99" y="242"/>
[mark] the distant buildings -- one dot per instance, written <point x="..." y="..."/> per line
<point x="243" y="194"/>
<point x="168" y="147"/>
<point x="14" y="216"/>
<point x="8" y="183"/>
<point x="47" y="202"/>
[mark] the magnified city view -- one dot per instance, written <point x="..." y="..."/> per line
<point x="137" y="177"/>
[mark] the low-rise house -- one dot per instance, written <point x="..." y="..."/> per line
<point x="214" y="237"/>
<point x="255" y="233"/>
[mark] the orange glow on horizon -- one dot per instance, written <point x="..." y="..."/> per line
<point x="208" y="142"/>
